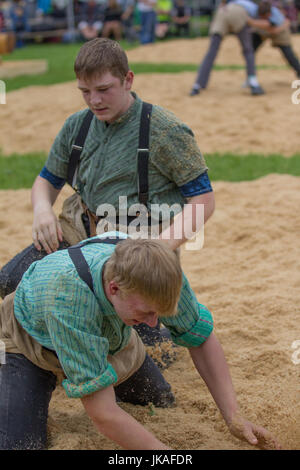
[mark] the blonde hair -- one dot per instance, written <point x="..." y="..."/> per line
<point x="148" y="268"/>
<point x="101" y="55"/>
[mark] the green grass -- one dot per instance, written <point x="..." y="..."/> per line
<point x="60" y="64"/>
<point x="141" y="67"/>
<point x="19" y="171"/>
<point x="178" y="68"/>
<point x="231" y="167"/>
<point x="61" y="58"/>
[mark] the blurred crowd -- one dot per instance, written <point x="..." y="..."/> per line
<point x="133" y="20"/>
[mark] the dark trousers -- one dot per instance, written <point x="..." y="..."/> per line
<point x="147" y="32"/>
<point x="26" y="390"/>
<point x="25" y="393"/>
<point x="11" y="274"/>
<point x="286" y="51"/>
<point x="206" y="66"/>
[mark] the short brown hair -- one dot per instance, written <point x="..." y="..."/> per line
<point x="101" y="55"/>
<point x="264" y="8"/>
<point x="149" y="268"/>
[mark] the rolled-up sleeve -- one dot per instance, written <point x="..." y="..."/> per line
<point x="199" y="332"/>
<point x="108" y="377"/>
<point x="82" y="355"/>
<point x="193" y="323"/>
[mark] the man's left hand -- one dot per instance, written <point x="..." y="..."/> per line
<point x="252" y="433"/>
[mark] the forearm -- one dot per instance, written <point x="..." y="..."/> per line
<point x="43" y="194"/>
<point x="128" y="433"/>
<point x="211" y="364"/>
<point x="259" y="23"/>
<point x="189" y="222"/>
<point x="116" y="424"/>
<point x="46" y="230"/>
<point x="266" y="26"/>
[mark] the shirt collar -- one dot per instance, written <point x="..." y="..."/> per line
<point x="130" y="113"/>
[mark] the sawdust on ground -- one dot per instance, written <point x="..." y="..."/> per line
<point x="247" y="272"/>
<point x="248" y="275"/>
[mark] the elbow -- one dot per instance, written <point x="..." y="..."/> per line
<point x="102" y="418"/>
<point x="102" y="415"/>
<point x="107" y="420"/>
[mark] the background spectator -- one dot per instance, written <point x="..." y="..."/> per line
<point x="163" y="12"/>
<point x="181" y="15"/>
<point x="2" y="22"/>
<point x="59" y="9"/>
<point x="128" y="9"/>
<point x="7" y="37"/>
<point x="112" y="20"/>
<point x="45" y="16"/>
<point x="147" y="13"/>
<point x="91" y="19"/>
<point x="18" y="14"/>
<point x="44" y="6"/>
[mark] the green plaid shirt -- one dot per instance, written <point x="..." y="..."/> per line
<point x="60" y="312"/>
<point x="108" y="165"/>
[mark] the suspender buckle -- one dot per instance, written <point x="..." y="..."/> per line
<point x="77" y="147"/>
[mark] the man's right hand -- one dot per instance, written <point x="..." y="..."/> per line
<point x="116" y="424"/>
<point x="46" y="230"/>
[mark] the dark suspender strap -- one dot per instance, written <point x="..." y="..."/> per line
<point x="143" y="152"/>
<point x="77" y="149"/>
<point x="80" y="262"/>
<point x="81" y="266"/>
